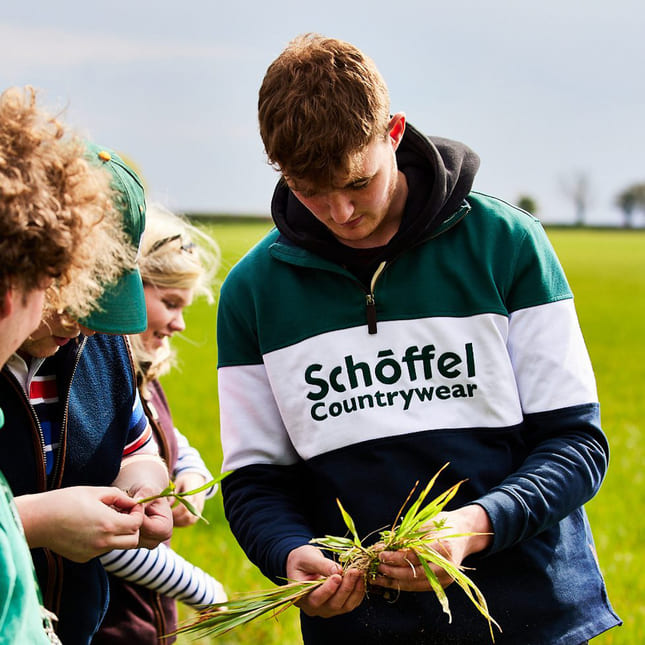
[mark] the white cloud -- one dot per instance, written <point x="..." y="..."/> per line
<point x="23" y="48"/>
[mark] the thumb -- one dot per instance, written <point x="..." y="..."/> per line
<point x="118" y="499"/>
<point x="328" y="567"/>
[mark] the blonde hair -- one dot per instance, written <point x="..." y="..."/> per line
<point x="173" y="254"/>
<point x="321" y="102"/>
<point x="57" y="218"/>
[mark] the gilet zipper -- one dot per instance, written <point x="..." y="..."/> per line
<point x="57" y="472"/>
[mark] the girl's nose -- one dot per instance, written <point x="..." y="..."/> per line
<point x="177" y="323"/>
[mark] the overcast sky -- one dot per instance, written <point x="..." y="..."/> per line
<point x="544" y="92"/>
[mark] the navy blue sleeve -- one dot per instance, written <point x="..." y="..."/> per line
<point x="567" y="461"/>
<point x="264" y="507"/>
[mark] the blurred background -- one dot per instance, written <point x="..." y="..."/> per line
<point x="549" y="94"/>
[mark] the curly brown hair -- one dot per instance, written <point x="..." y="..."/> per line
<point x="321" y="101"/>
<point x="51" y="198"/>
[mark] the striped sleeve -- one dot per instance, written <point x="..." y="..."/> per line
<point x="189" y="460"/>
<point x="164" y="571"/>
<point x="140" y="439"/>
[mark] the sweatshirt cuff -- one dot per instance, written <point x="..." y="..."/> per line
<point x="277" y="557"/>
<point x="509" y="518"/>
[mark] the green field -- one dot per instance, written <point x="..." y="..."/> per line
<point x="607" y="272"/>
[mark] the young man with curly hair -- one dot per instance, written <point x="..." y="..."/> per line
<point x="73" y="214"/>
<point x="51" y="201"/>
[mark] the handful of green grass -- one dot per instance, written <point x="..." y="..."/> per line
<point x="416" y="530"/>
<point x="180" y="498"/>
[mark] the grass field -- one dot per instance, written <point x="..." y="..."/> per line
<point x="607" y="272"/>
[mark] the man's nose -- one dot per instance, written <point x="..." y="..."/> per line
<point x="341" y="207"/>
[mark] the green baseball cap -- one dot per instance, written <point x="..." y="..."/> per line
<point x="122" y="307"/>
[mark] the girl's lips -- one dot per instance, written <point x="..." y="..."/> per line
<point x="156" y="341"/>
<point x="61" y="340"/>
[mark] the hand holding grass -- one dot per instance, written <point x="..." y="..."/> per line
<point x="423" y="540"/>
<point x="340" y="593"/>
<point x="171" y="492"/>
<point x="403" y="571"/>
<point x="419" y="531"/>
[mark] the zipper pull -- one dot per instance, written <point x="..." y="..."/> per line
<point x="370" y="302"/>
<point x="371" y="313"/>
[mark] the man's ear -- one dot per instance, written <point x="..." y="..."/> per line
<point x="6" y="303"/>
<point x="396" y="128"/>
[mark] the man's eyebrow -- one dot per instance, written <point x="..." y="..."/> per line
<point x="295" y="186"/>
<point x="358" y="180"/>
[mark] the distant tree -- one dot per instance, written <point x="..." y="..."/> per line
<point x="630" y="200"/>
<point x="578" y="189"/>
<point x="528" y="204"/>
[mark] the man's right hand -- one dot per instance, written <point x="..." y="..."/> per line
<point x="339" y="594"/>
<point x="81" y="522"/>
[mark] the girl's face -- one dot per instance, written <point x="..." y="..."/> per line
<point x="165" y="306"/>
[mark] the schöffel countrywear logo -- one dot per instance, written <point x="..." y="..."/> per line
<point x="415" y="364"/>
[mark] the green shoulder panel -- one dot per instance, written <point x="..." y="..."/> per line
<point x="497" y="259"/>
<point x="525" y="265"/>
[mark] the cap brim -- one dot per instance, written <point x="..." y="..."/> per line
<point x="121" y="309"/>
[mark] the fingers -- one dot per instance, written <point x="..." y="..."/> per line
<point x="157" y="523"/>
<point x="308" y="563"/>
<point x="118" y="499"/>
<point x="337" y="595"/>
<point x="127" y="516"/>
<point x="198" y="501"/>
<point x="128" y="523"/>
<point x="403" y="558"/>
<point x="124" y="541"/>
<point x="141" y="491"/>
<point x="183" y="517"/>
<point x="402" y="570"/>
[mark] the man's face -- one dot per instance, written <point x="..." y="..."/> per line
<point x="53" y="332"/>
<point x="364" y="208"/>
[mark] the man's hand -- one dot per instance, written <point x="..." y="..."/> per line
<point x="339" y="594"/>
<point x="402" y="570"/>
<point x="188" y="481"/>
<point x="81" y="522"/>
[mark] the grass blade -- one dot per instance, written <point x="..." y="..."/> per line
<point x="416" y="529"/>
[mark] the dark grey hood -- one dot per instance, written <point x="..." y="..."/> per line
<point x="440" y="174"/>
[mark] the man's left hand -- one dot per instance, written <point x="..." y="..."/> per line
<point x="402" y="570"/>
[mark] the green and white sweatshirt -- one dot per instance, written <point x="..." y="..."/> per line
<point x="477" y="360"/>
